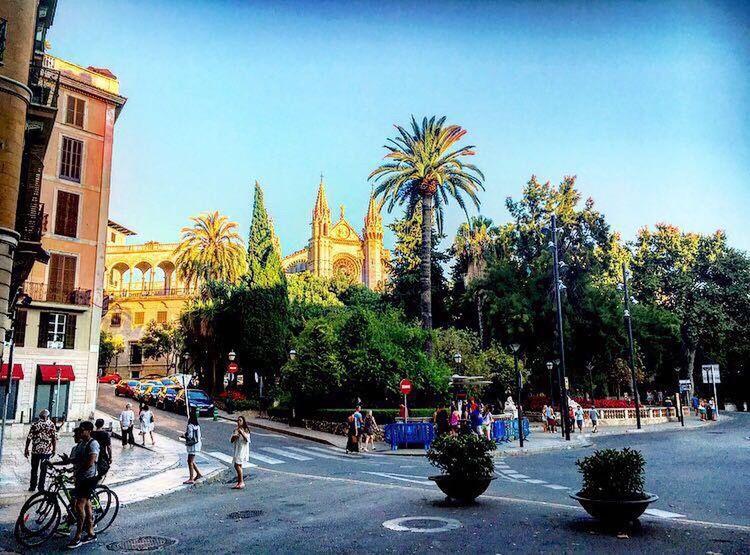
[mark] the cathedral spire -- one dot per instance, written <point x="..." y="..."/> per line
<point x="321" y="210"/>
<point x="373" y="219"/>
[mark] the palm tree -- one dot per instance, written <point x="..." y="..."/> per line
<point x="210" y="249"/>
<point x="420" y="166"/>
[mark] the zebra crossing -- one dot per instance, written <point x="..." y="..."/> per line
<point x="277" y="455"/>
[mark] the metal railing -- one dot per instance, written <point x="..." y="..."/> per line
<point x="56" y="294"/>
<point x="3" y="28"/>
<point x="44" y="84"/>
<point x="157" y="292"/>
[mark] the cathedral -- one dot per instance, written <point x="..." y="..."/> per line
<point x="337" y="248"/>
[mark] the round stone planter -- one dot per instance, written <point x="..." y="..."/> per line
<point x="615" y="511"/>
<point x="460" y="488"/>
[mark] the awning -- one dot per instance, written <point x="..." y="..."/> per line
<point x="17" y="372"/>
<point x="48" y="372"/>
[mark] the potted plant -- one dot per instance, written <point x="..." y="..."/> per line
<point x="612" y="489"/>
<point x="467" y="465"/>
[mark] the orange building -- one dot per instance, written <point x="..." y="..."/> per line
<point x="57" y="336"/>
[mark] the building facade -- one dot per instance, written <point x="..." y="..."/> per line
<point x="56" y="338"/>
<point x="142" y="285"/>
<point x="337" y="248"/>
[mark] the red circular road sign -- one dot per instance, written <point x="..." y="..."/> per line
<point x="405" y="386"/>
<point x="233" y="367"/>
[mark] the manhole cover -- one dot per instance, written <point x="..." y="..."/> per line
<point x="436" y="524"/>
<point x="143" y="543"/>
<point x="252" y="513"/>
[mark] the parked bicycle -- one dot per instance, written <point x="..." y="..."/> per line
<point x="42" y="514"/>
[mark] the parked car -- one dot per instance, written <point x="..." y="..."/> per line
<point x="126" y="387"/>
<point x="198" y="399"/>
<point x="150" y="395"/>
<point x="168" y="381"/>
<point x="166" y="398"/>
<point x="110" y="378"/>
<point x="140" y="391"/>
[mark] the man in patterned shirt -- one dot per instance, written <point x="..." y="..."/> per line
<point x="43" y="439"/>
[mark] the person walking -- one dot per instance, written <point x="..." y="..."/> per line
<point x="476" y="420"/>
<point x="146" y="420"/>
<point x="695" y="403"/>
<point x="43" y="439"/>
<point x="551" y="421"/>
<point x="193" y="445"/>
<point x="127" y="422"/>
<point x="241" y="441"/>
<point x="370" y="429"/>
<point x="84" y="458"/>
<point x="442" y="420"/>
<point x="487" y="422"/>
<point x="104" y="440"/>
<point x="594" y="416"/>
<point x="579" y="418"/>
<point x="455" y="420"/>
<point x="352" y="439"/>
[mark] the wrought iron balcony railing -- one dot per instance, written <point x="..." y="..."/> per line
<point x="44" y="292"/>
<point x="160" y="292"/>
<point x="44" y="84"/>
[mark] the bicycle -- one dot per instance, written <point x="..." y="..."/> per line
<point x="41" y="515"/>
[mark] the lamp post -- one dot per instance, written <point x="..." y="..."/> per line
<point x="678" y="397"/>
<point x="292" y="357"/>
<point x="551" y="388"/>
<point x="558" y="286"/>
<point x="590" y="367"/>
<point x="515" y="347"/>
<point x="457" y="359"/>
<point x="629" y="325"/>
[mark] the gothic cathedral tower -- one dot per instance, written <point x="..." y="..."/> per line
<point x="372" y="235"/>
<point x="320" y="243"/>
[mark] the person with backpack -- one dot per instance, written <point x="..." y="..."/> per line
<point x="193" y="444"/>
<point x="104" y="440"/>
<point x="84" y="457"/>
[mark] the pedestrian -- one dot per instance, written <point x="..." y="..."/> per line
<point x="455" y="420"/>
<point x="358" y="420"/>
<point x="146" y="420"/>
<point x="127" y="422"/>
<point x="352" y="439"/>
<point x="571" y="418"/>
<point x="403" y="414"/>
<point x="193" y="445"/>
<point x="695" y="403"/>
<point x="487" y="422"/>
<point x="241" y="441"/>
<point x="544" y="419"/>
<point x="702" y="410"/>
<point x="370" y="429"/>
<point x="710" y="409"/>
<point x="476" y="420"/>
<point x="43" y="439"/>
<point x="594" y="416"/>
<point x="551" y="420"/>
<point x="104" y="440"/>
<point x="84" y="457"/>
<point x="579" y="418"/>
<point x="660" y="396"/>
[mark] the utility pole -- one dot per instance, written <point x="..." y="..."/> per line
<point x="629" y="325"/>
<point x="558" y="285"/>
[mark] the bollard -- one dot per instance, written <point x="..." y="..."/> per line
<point x="216" y="414"/>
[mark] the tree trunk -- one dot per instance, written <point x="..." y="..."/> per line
<point x="480" y="319"/>
<point x="691" y="368"/>
<point x="425" y="272"/>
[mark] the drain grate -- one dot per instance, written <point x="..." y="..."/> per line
<point x="142" y="543"/>
<point x="251" y="513"/>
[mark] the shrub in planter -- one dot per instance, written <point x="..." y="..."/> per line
<point x="612" y="488"/>
<point x="467" y="465"/>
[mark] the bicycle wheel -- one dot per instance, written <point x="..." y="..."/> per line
<point x="105" y="505"/>
<point x="38" y="520"/>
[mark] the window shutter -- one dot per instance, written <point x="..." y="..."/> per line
<point x="70" y="332"/>
<point x="66" y="218"/>
<point x="43" y="329"/>
<point x="71" y="110"/>
<point x="80" y="107"/>
<point x="19" y="334"/>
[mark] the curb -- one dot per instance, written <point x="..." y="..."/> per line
<point x="525" y="451"/>
<point x="209" y="478"/>
<point x="287" y="432"/>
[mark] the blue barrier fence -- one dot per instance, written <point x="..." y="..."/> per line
<point x="507" y="430"/>
<point x="417" y="433"/>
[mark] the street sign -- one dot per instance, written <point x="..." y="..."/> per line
<point x="240" y="379"/>
<point x="227" y="377"/>
<point x="711" y="373"/>
<point x="232" y="367"/>
<point x="405" y="387"/>
<point x="567" y="383"/>
<point x="684" y="385"/>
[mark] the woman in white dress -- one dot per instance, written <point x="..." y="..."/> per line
<point x="146" y="420"/>
<point x="193" y="445"/>
<point x="241" y="440"/>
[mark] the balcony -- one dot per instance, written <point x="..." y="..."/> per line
<point x="155" y="292"/>
<point x="42" y="292"/>
<point x="44" y="84"/>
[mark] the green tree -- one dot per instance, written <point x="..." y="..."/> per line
<point x="263" y="252"/>
<point x="110" y="346"/>
<point x="421" y="168"/>
<point x="210" y="249"/>
<point x="163" y="340"/>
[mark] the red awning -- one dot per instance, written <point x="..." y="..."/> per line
<point x="48" y="372"/>
<point x="17" y="372"/>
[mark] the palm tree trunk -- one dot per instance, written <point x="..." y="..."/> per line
<point x="425" y="270"/>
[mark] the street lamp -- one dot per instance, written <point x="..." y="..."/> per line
<point x="232" y="355"/>
<point x="515" y="347"/>
<point x="457" y="358"/>
<point x="551" y="390"/>
<point x="292" y="354"/>
<point x="558" y="287"/>
<point x="629" y="325"/>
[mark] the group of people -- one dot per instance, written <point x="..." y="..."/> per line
<point x="476" y="415"/>
<point x="705" y="409"/>
<point x="576" y="418"/>
<point x="361" y="429"/>
<point x="91" y="458"/>
<point x="145" y="421"/>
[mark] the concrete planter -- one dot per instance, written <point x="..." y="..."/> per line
<point x="460" y="488"/>
<point x="615" y="511"/>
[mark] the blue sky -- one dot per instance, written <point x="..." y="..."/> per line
<point x="646" y="102"/>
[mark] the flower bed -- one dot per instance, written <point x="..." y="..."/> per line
<point x="536" y="402"/>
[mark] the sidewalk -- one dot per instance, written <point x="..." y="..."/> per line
<point x="136" y="474"/>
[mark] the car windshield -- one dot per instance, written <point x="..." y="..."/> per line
<point x="131" y="384"/>
<point x="171" y="391"/>
<point x="198" y="396"/>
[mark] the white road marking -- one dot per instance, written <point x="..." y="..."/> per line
<point x="555" y="486"/>
<point x="228" y="459"/>
<point x="398" y="524"/>
<point x="266" y="435"/>
<point x="283" y="453"/>
<point x="265" y="459"/>
<point x="663" y="514"/>
<point x="535" y="481"/>
<point x="519" y="476"/>
<point x="317" y="454"/>
<point x="403" y="478"/>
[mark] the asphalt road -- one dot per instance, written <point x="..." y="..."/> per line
<point x="306" y="497"/>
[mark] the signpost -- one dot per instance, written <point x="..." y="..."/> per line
<point x="711" y="375"/>
<point x="232" y="367"/>
<point x="405" y="387"/>
<point x="684" y="386"/>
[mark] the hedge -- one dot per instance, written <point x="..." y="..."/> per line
<point x="382" y="416"/>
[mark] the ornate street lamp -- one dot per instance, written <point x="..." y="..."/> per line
<point x="515" y="347"/>
<point x="292" y="354"/>
<point x="629" y="326"/>
<point x="551" y="389"/>
<point x="232" y="355"/>
<point x="457" y="358"/>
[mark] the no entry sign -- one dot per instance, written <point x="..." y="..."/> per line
<point x="405" y="387"/>
<point x="233" y="367"/>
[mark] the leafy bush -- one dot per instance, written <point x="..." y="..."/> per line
<point x="382" y="416"/>
<point x="613" y="474"/>
<point x="465" y="455"/>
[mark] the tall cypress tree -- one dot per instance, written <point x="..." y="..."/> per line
<point x="263" y="252"/>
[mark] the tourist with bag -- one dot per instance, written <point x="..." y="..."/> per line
<point x="352" y="442"/>
<point x="193" y="445"/>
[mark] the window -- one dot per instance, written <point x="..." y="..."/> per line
<point x="161" y="317"/>
<point x="57" y="330"/>
<point x="136" y="354"/>
<point x="116" y="320"/>
<point x="138" y="318"/>
<point x="74" y="113"/>
<point x="19" y="335"/>
<point x="113" y="237"/>
<point x="72" y="155"/>
<point x="62" y="278"/>
<point x="66" y="218"/>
